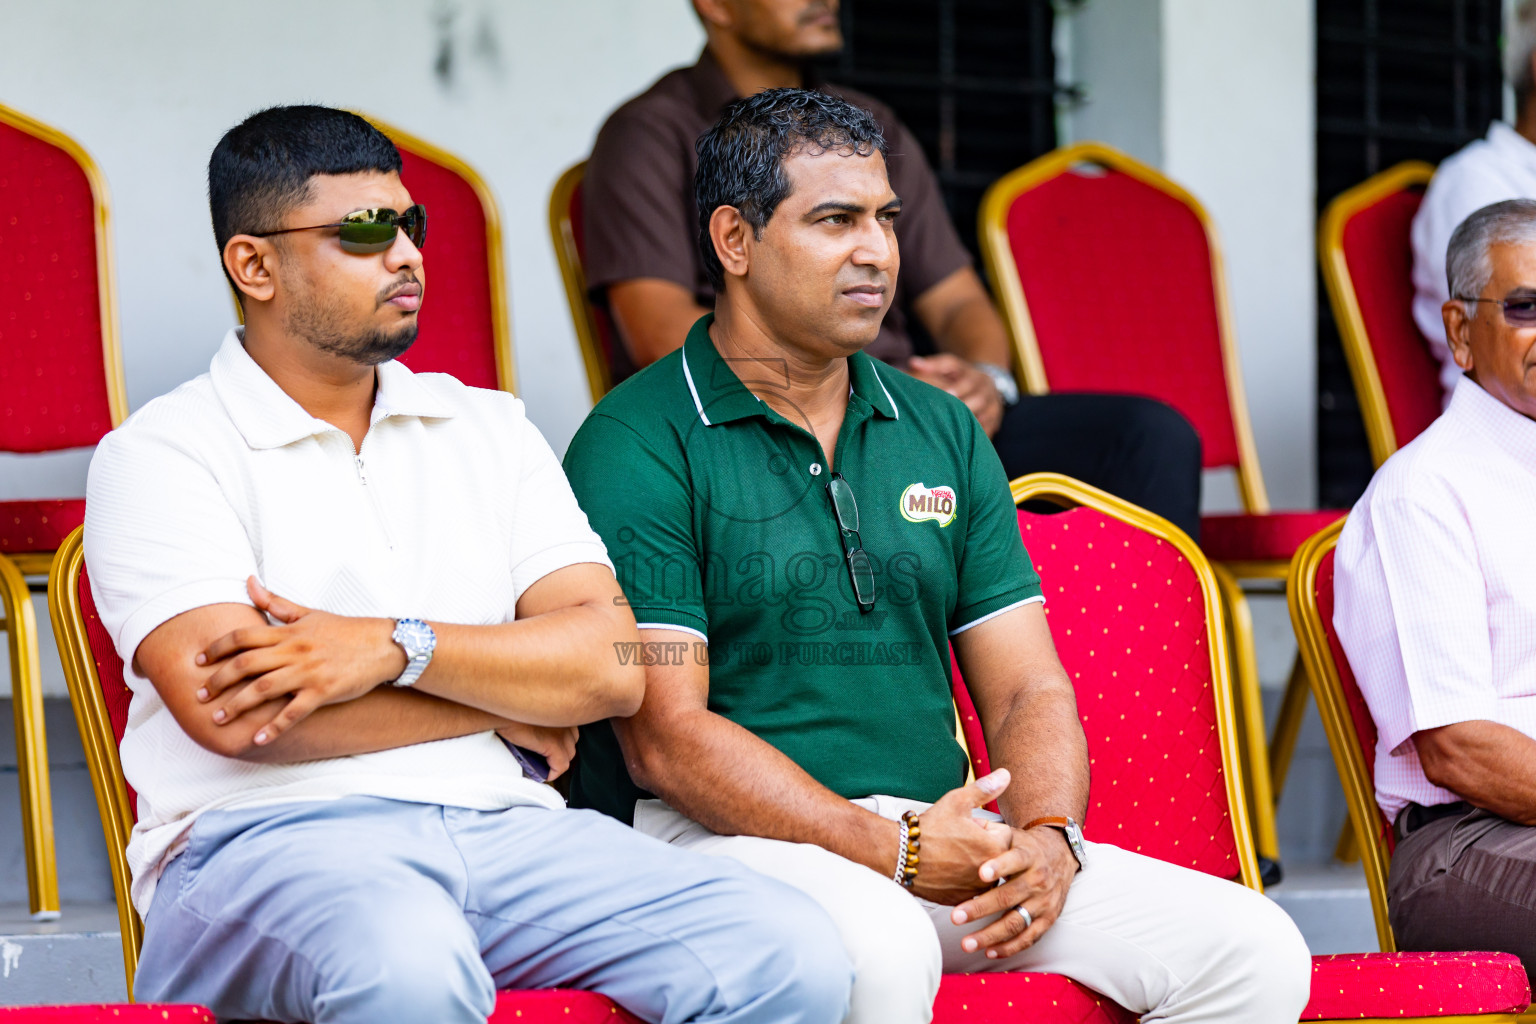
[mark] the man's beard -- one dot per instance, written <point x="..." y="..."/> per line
<point x="322" y="326"/>
<point x="368" y="349"/>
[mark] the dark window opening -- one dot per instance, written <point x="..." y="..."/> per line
<point x="975" y="81"/>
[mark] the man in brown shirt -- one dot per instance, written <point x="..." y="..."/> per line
<point x="643" y="264"/>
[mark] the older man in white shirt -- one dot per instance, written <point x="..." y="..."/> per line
<point x="1436" y="608"/>
<point x="1502" y="165"/>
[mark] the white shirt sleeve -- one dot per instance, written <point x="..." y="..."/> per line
<point x="1412" y="615"/>
<point x="161" y="537"/>
<point x="549" y="529"/>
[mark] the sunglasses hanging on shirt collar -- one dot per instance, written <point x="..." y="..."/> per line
<point x="366" y="231"/>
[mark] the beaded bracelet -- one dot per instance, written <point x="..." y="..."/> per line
<point x="911" y="842"/>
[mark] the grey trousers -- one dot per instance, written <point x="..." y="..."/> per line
<point x="370" y="911"/>
<point x="1466" y="882"/>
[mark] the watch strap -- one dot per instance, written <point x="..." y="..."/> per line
<point x="1053" y="822"/>
<point x="1003" y="380"/>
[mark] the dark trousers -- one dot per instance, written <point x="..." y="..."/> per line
<point x="1466" y="882"/>
<point x="1135" y="448"/>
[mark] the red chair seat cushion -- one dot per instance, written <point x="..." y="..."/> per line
<point x="1355" y="985"/>
<point x="1271" y="537"/>
<point x="108" y="1013"/>
<point x="1023" y="996"/>
<point x="27" y="526"/>
<point x="557" y="1006"/>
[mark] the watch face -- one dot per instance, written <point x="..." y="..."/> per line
<point x="415" y="636"/>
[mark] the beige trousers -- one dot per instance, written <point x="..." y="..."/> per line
<point x="1166" y="942"/>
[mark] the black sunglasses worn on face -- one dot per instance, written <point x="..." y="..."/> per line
<point x="365" y="231"/>
<point x="860" y="570"/>
<point x="1519" y="312"/>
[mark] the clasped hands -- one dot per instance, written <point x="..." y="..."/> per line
<point x="313" y="658"/>
<point x="983" y="868"/>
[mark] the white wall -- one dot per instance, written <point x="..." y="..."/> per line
<point x="1116" y="56"/>
<point x="1220" y="96"/>
<point x="149" y="87"/>
<point x="1238" y="132"/>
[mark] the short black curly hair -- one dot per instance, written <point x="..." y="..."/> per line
<point x="741" y="156"/>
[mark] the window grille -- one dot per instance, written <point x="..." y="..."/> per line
<point x="975" y="81"/>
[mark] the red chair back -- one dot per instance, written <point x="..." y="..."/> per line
<point x="1345" y="716"/>
<point x="1367" y="258"/>
<point x="115" y="693"/>
<point x="1113" y="275"/>
<point x="464" y="328"/>
<point x="1359" y="713"/>
<point x="99" y="698"/>
<point x="602" y="352"/>
<point x="60" y="376"/>
<point x="1134" y="626"/>
<point x="617" y="360"/>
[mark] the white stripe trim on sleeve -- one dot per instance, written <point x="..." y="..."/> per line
<point x="688" y="376"/>
<point x="1040" y="598"/>
<point x="671" y="625"/>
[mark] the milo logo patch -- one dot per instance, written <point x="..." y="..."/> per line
<point x="920" y="503"/>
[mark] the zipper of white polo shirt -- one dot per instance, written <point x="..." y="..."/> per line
<point x="362" y="479"/>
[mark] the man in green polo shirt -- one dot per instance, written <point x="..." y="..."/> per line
<point x="802" y="533"/>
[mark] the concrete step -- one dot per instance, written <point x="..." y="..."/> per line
<point x="75" y="959"/>
<point x="1330" y="904"/>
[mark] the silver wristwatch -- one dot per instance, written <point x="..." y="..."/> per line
<point x="1074" y="833"/>
<point x="418" y="641"/>
<point x="1007" y="387"/>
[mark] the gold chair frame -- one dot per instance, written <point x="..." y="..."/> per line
<point x="1267" y="761"/>
<point x="96" y="735"/>
<point x="15" y="598"/>
<point x="562" y="234"/>
<point x="1328" y="690"/>
<point x="1358" y="353"/>
<point x="1067" y="492"/>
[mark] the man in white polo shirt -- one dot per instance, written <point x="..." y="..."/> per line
<point x="332" y="822"/>
<point x="1436" y="609"/>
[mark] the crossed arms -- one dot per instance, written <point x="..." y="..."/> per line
<point x="309" y="687"/>
<point x="723" y="776"/>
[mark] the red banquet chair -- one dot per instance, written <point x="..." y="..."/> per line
<point x="100" y="698"/>
<point x="61" y="379"/>
<point x="465" y="326"/>
<point x="602" y="353"/>
<point x="1367" y="260"/>
<point x="554" y="1006"/>
<point x="1352" y="738"/>
<point x="1062" y="235"/>
<point x="108" y="1013"/>
<point x="1159" y="721"/>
